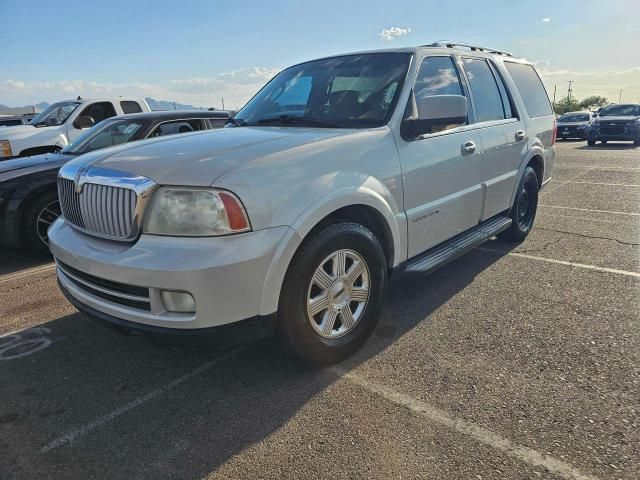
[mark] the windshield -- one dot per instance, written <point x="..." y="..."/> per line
<point x="355" y="91"/>
<point x="621" y="110"/>
<point x="55" y="114"/>
<point x="103" y="135"/>
<point x="574" y="117"/>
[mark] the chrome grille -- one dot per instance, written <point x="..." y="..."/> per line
<point x="102" y="209"/>
<point x="102" y="202"/>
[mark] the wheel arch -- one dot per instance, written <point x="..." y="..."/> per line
<point x="535" y="159"/>
<point x="363" y="206"/>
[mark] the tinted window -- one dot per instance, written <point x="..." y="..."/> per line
<point x="486" y="96"/>
<point x="177" y="126"/>
<point x="437" y="76"/>
<point x="353" y="91"/>
<point x="509" y="110"/>
<point x="531" y="89"/>
<point x="217" y="122"/>
<point x="575" y="117"/>
<point x="99" y="111"/>
<point x="130" y="107"/>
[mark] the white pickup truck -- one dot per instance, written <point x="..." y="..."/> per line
<point x="61" y="123"/>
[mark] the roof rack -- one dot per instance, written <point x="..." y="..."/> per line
<point x="474" y="48"/>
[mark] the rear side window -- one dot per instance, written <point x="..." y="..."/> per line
<point x="534" y="96"/>
<point x="130" y="107"/>
<point x="217" y="122"/>
<point x="486" y="96"/>
<point x="99" y="111"/>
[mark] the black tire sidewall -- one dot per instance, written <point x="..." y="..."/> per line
<point x="292" y="316"/>
<point x="29" y="227"/>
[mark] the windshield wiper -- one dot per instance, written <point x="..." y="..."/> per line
<point x="238" y="122"/>
<point x="293" y="120"/>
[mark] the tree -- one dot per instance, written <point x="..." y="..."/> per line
<point x="593" y="102"/>
<point x="565" y="105"/>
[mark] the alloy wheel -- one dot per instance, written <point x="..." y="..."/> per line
<point x="45" y="218"/>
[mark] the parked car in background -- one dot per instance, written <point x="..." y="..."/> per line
<point x="13" y="120"/>
<point x="574" y="125"/>
<point x="61" y="123"/>
<point x="337" y="173"/>
<point x="617" y="122"/>
<point x="28" y="192"/>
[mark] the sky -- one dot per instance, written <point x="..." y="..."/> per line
<point x="200" y="51"/>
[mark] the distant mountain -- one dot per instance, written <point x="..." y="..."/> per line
<point x="166" y="105"/>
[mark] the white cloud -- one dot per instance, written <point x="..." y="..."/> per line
<point x="546" y="19"/>
<point x="392" y="32"/>
<point x="236" y="87"/>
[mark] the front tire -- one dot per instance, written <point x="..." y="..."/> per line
<point x="333" y="294"/>
<point x="591" y="143"/>
<point x="525" y="206"/>
<point x="39" y="216"/>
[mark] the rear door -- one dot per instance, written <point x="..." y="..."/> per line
<point x="441" y="170"/>
<point x="501" y="131"/>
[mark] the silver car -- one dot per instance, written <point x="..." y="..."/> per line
<point x="339" y="174"/>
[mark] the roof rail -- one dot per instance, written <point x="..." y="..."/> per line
<point x="448" y="44"/>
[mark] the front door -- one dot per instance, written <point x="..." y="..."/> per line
<point x="441" y="171"/>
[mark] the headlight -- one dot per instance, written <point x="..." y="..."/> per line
<point x="195" y="212"/>
<point x="5" y="149"/>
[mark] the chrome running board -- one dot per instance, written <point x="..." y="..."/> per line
<point x="451" y="249"/>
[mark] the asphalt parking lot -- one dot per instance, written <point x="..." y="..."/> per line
<point x="514" y="362"/>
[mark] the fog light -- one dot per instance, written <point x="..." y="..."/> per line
<point x="178" y="301"/>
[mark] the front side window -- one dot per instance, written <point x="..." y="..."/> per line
<point x="535" y="98"/>
<point x="99" y="111"/>
<point x="353" y="91"/>
<point x="55" y="114"/>
<point x="486" y="96"/>
<point x="104" y="135"/>
<point x="437" y="76"/>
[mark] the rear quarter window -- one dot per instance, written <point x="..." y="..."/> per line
<point x="130" y="106"/>
<point x="534" y="96"/>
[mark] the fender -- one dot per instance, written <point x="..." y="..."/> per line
<point x="310" y="217"/>
<point x="535" y="151"/>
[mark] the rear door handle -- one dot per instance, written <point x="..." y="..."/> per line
<point x="520" y="135"/>
<point x="469" y="147"/>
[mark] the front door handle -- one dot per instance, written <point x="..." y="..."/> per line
<point x="468" y="147"/>
<point x="520" y="135"/>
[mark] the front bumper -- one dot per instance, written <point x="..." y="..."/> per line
<point x="225" y="275"/>
<point x="614" y="132"/>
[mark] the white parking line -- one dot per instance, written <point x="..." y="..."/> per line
<point x="563" y="262"/>
<point x="580" y="218"/>
<point x="69" y="437"/>
<point x="562" y="183"/>
<point x="480" y="434"/>
<point x="607" y="184"/>
<point x="604" y="168"/>
<point x="590" y="210"/>
<point x="26" y="273"/>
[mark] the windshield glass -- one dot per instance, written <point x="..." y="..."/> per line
<point x="355" y="91"/>
<point x="574" y="117"/>
<point x="55" y="114"/>
<point x="620" y="110"/>
<point x="103" y="135"/>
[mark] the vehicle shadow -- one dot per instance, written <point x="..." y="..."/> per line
<point x="14" y="260"/>
<point x="187" y="431"/>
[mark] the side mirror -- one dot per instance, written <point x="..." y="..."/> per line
<point x="434" y="114"/>
<point x="84" y="121"/>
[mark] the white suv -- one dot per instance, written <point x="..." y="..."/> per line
<point x="339" y="173"/>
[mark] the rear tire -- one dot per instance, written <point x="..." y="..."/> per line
<point x="39" y="216"/>
<point x="636" y="143"/>
<point x="591" y="143"/>
<point x="333" y="294"/>
<point x="525" y="206"/>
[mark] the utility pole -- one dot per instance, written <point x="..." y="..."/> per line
<point x="569" y="94"/>
<point x="555" y="88"/>
<point x="620" y="98"/>
<point x="223" y="103"/>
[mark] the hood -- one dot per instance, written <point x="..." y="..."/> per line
<point x="617" y="118"/>
<point x="7" y="133"/>
<point x="198" y="159"/>
<point x="55" y="160"/>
